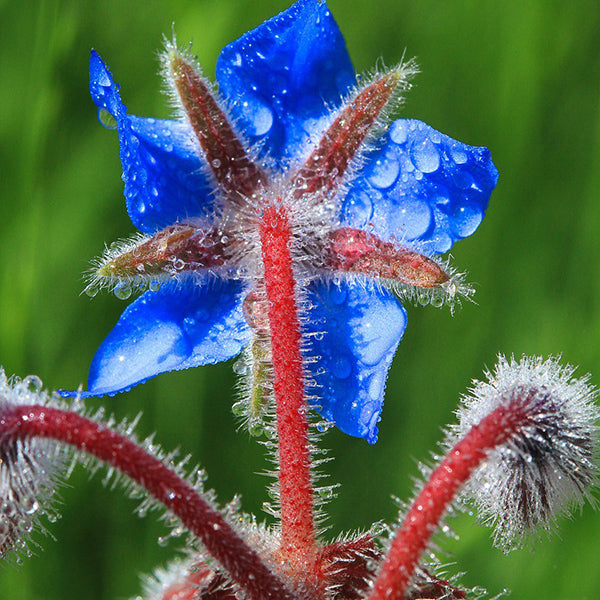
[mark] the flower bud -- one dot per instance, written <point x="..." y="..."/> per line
<point x="547" y="463"/>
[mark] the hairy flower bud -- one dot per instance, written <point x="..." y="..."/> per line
<point x="28" y="469"/>
<point x="547" y="464"/>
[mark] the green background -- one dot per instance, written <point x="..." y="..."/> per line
<point x="520" y="77"/>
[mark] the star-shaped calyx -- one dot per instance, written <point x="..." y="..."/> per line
<point x="286" y="197"/>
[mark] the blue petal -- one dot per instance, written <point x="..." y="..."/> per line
<point x="353" y="329"/>
<point x="182" y="325"/>
<point x="283" y="77"/>
<point x="421" y="186"/>
<point x="162" y="170"/>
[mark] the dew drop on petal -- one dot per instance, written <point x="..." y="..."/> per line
<point x="413" y="219"/>
<point x="377" y="347"/>
<point x="459" y="156"/>
<point x="102" y="78"/>
<point x="384" y="172"/>
<point x="259" y="116"/>
<point x="442" y="243"/>
<point x="399" y="132"/>
<point x="358" y="209"/>
<point x="369" y="413"/>
<point x="465" y="220"/>
<point x="341" y="367"/>
<point x="375" y="385"/>
<point x="425" y="156"/>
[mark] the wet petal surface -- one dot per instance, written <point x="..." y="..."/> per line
<point x="284" y="77"/>
<point x="421" y="185"/>
<point x="182" y="325"/>
<point x="163" y="172"/>
<point x="353" y="331"/>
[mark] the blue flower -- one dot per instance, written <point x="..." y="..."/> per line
<point x="405" y="194"/>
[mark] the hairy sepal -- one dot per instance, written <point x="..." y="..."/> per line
<point x="359" y="120"/>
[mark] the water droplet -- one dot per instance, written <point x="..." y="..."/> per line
<point x="437" y="301"/>
<point x="327" y="492"/>
<point x="179" y="264"/>
<point x="216" y="163"/>
<point x="31" y="506"/>
<point x="259" y="115"/>
<point x="384" y="172"/>
<point x="324" y="426"/>
<point x="399" y="132"/>
<point x="163" y="541"/>
<point x="425" y="156"/>
<point x="240" y="367"/>
<point x="106" y="119"/>
<point x="91" y="291"/>
<point x="442" y="242"/>
<point x="122" y="291"/>
<point x="33" y="383"/>
<point x="413" y="219"/>
<point x="465" y="220"/>
<point x="256" y="429"/>
<point x="154" y="285"/>
<point x="341" y="367"/>
<point x="376" y="385"/>
<point x="358" y="209"/>
<point x="239" y="408"/>
<point x="459" y="156"/>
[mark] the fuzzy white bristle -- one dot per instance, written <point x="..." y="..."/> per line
<point x="549" y="464"/>
<point x="29" y="471"/>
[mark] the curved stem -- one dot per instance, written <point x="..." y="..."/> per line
<point x="296" y="494"/>
<point x="241" y="562"/>
<point x="426" y="511"/>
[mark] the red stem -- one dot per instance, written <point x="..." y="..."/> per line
<point x="424" y="515"/>
<point x="241" y="562"/>
<point x="295" y="486"/>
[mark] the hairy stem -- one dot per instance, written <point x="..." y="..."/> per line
<point x="241" y="562"/>
<point x="426" y="511"/>
<point x="297" y="520"/>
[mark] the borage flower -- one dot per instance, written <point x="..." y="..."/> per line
<point x="283" y="213"/>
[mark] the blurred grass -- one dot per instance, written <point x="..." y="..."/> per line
<point x="520" y="77"/>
